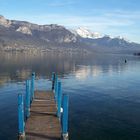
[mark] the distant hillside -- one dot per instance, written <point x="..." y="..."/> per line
<point x="23" y="36"/>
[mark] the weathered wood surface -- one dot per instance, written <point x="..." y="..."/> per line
<point x="43" y="124"/>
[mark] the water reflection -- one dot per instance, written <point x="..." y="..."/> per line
<point x="82" y="72"/>
<point x="18" y="66"/>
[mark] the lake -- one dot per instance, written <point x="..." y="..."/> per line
<point x="104" y="92"/>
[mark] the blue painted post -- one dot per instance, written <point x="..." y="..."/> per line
<point x="59" y="100"/>
<point x="21" y="124"/>
<point x="65" y="117"/>
<point x="56" y="87"/>
<point x="53" y="80"/>
<point x="32" y="86"/>
<point x="27" y="98"/>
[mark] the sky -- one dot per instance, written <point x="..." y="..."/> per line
<point x="110" y="17"/>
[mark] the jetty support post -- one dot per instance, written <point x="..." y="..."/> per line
<point x="65" y="117"/>
<point x="21" y="123"/>
<point x="59" y="100"/>
<point x="27" y="106"/>
<point x="56" y="88"/>
<point x="32" y="86"/>
<point x="53" y="80"/>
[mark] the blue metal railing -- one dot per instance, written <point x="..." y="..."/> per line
<point x="32" y="86"/>
<point x="27" y="105"/>
<point x="29" y="97"/>
<point x="62" y="104"/>
<point x="60" y="99"/>
<point x="21" y="124"/>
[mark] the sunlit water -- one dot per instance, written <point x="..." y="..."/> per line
<point x="104" y="92"/>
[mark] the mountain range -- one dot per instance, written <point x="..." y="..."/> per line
<point x="24" y="36"/>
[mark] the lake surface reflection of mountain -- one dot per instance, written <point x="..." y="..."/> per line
<point x="104" y="92"/>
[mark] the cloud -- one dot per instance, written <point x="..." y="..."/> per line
<point x="116" y="22"/>
<point x="61" y="3"/>
<point x="103" y="21"/>
<point x="93" y="21"/>
<point x="124" y="14"/>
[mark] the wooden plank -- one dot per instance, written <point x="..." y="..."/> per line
<point x="43" y="124"/>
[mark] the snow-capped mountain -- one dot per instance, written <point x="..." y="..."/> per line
<point x="85" y="33"/>
<point x="23" y="35"/>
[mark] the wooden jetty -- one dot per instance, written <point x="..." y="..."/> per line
<point x="44" y="115"/>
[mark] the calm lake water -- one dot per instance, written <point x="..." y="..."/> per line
<point x="104" y="92"/>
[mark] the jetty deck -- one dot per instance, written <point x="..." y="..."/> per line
<point x="43" y="123"/>
<point x="46" y="112"/>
